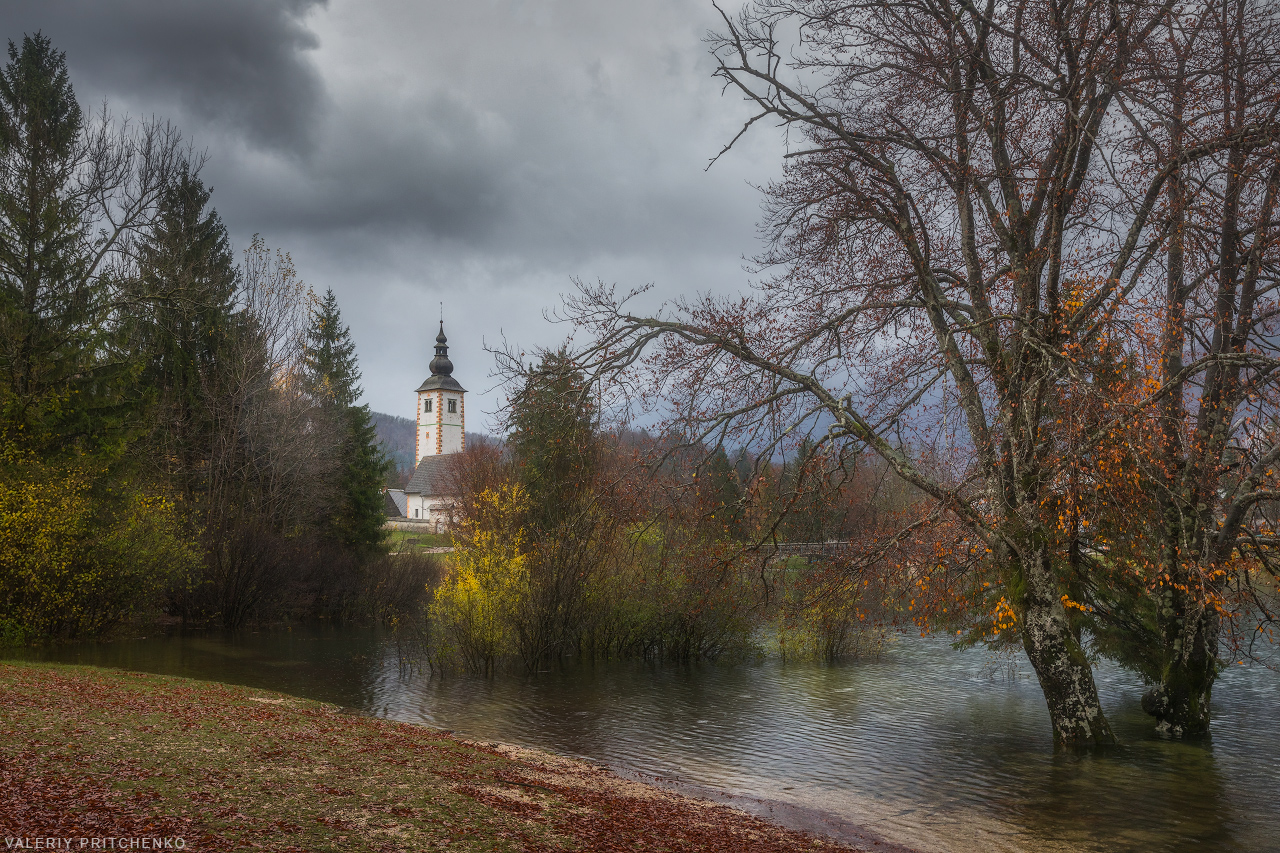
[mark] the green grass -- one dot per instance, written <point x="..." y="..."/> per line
<point x="405" y="540"/>
<point x="233" y="766"/>
<point x="96" y="753"/>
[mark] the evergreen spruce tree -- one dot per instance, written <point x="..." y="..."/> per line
<point x="331" y="376"/>
<point x="47" y="310"/>
<point x="66" y="369"/>
<point x="719" y="483"/>
<point x="552" y="438"/>
<point x="182" y="322"/>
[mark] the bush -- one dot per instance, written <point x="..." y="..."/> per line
<point x="398" y="587"/>
<point x="823" y="618"/>
<point x="78" y="558"/>
<point x="12" y="635"/>
<point x="474" y="609"/>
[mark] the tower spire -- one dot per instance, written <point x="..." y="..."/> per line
<point x="441" y="365"/>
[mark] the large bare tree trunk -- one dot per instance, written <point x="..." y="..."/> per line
<point x="1066" y="678"/>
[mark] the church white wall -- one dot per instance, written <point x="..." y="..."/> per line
<point x="451" y="424"/>
<point x="440" y="430"/>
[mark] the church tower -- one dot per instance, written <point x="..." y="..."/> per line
<point x="441" y="414"/>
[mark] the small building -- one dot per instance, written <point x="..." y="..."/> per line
<point x="393" y="501"/>
<point x="441" y="433"/>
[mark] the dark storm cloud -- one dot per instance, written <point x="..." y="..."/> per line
<point x="240" y="64"/>
<point x="479" y="153"/>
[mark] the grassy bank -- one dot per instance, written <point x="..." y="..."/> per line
<point x="407" y="541"/>
<point x="94" y="753"/>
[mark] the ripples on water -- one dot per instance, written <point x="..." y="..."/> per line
<point x="927" y="746"/>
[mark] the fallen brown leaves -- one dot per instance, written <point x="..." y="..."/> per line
<point x="99" y="753"/>
<point x="63" y="806"/>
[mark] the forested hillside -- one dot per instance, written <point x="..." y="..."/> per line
<point x="395" y="437"/>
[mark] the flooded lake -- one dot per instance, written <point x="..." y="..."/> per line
<point x="930" y="747"/>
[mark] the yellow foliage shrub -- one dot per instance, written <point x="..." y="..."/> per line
<point x="76" y="560"/>
<point x="473" y="610"/>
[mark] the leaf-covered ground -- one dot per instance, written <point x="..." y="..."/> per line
<point x="91" y="753"/>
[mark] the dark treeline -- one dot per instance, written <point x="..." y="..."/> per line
<point x="179" y="427"/>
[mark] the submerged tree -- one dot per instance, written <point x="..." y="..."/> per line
<point x="1212" y="81"/>
<point x="554" y="446"/>
<point x="963" y="227"/>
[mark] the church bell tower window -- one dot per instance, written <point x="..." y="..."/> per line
<point x="453" y="406"/>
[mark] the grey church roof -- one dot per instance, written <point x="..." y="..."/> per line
<point x="433" y="476"/>
<point x="441" y="368"/>
<point x="446" y="383"/>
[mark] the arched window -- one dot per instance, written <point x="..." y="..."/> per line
<point x="453" y="406"/>
<point x="426" y="405"/>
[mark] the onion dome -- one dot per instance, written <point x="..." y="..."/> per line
<point x="441" y="367"/>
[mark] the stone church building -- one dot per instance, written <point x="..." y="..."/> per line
<point x="441" y="432"/>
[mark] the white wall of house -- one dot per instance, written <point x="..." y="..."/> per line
<point x="435" y="510"/>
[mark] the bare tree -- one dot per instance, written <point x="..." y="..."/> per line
<point x="960" y="227"/>
<point x="1214" y="72"/>
<point x="269" y="463"/>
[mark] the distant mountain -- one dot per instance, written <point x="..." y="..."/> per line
<point x="395" y="434"/>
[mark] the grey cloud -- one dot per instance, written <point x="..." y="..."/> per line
<point x="571" y="130"/>
<point x="239" y="64"/>
<point x="408" y="152"/>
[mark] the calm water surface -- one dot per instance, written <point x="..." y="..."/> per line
<point x="934" y="748"/>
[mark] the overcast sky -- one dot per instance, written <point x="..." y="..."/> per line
<point x="479" y="153"/>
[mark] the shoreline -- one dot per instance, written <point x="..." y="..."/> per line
<point x="790" y="816"/>
<point x="92" y="752"/>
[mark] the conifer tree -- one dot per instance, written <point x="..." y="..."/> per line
<point x="331" y="376"/>
<point x="722" y="493"/>
<point x="73" y="192"/>
<point x="552" y="438"/>
<point x="183" y="320"/>
<point x="46" y="309"/>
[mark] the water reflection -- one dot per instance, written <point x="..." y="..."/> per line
<point x="923" y="745"/>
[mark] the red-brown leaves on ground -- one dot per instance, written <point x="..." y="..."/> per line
<point x="96" y="753"/>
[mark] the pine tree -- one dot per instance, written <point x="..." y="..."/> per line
<point x="182" y="323"/>
<point x="722" y="494"/>
<point x="47" y="310"/>
<point x="552" y="438"/>
<point x="65" y="367"/>
<point x="330" y="373"/>
<point x="331" y="377"/>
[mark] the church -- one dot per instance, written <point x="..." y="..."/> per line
<point x="441" y="432"/>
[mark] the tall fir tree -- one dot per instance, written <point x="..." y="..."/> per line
<point x="553" y="439"/>
<point x="722" y="496"/>
<point x="182" y="320"/>
<point x="331" y="376"/>
<point x="47" y="309"/>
